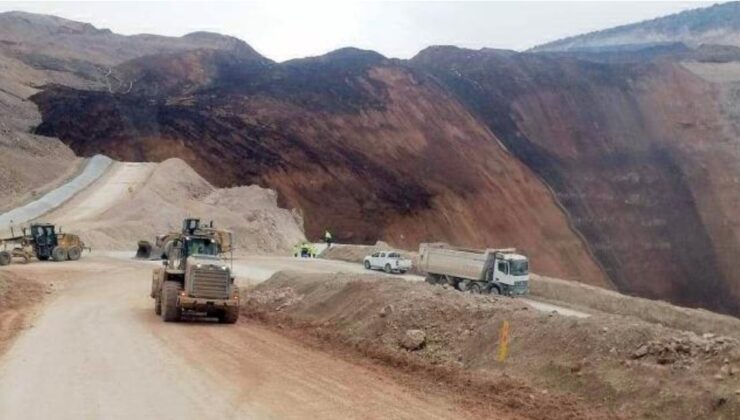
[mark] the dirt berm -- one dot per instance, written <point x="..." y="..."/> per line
<point x="557" y="367"/>
<point x="17" y="296"/>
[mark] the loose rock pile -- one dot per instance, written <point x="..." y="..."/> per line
<point x="685" y="349"/>
<point x="277" y="299"/>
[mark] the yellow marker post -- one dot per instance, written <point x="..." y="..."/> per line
<point x="503" y="342"/>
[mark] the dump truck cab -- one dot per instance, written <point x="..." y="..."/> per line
<point x="194" y="278"/>
<point x="508" y="273"/>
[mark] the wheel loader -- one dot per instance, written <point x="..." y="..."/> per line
<point x="43" y="242"/>
<point x="194" y="278"/>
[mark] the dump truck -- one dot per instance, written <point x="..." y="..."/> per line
<point x="195" y="278"/>
<point x="495" y="271"/>
<point x="43" y="242"/>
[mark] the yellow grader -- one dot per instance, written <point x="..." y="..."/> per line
<point x="43" y="242"/>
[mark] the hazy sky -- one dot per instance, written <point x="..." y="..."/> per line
<point x="284" y="30"/>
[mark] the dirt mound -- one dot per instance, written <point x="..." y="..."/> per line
<point x="174" y="191"/>
<point x="558" y="361"/>
<point x="699" y="321"/>
<point x="17" y="295"/>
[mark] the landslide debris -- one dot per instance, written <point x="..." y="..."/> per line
<point x="613" y="364"/>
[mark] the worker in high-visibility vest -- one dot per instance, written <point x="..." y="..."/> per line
<point x="328" y="239"/>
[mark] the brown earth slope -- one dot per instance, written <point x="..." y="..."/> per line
<point x="364" y="146"/>
<point x="638" y="153"/>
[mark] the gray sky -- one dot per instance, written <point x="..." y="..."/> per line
<point x="285" y="30"/>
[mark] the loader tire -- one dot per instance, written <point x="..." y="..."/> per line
<point x="170" y="292"/>
<point x="230" y="315"/>
<point x="59" y="254"/>
<point x="74" y="253"/>
<point x="5" y="258"/>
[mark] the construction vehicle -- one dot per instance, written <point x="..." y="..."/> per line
<point x="163" y="243"/>
<point x="43" y="242"/>
<point x="495" y="271"/>
<point x="194" y="278"/>
<point x="305" y="250"/>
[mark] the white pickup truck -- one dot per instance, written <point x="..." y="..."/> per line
<point x="388" y="261"/>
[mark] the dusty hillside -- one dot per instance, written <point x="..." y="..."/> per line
<point x="718" y="24"/>
<point x="36" y="50"/>
<point x="169" y="192"/>
<point x="607" y="365"/>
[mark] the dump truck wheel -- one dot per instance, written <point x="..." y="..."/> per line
<point x="388" y="269"/>
<point x="367" y="265"/>
<point x="5" y="258"/>
<point x="463" y="286"/>
<point x="475" y="289"/>
<point x="431" y="279"/>
<point x="494" y="290"/>
<point x="170" y="311"/>
<point x="74" y="253"/>
<point x="230" y="315"/>
<point x="59" y="254"/>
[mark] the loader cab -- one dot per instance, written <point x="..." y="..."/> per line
<point x="195" y="245"/>
<point x="44" y="239"/>
<point x="191" y="246"/>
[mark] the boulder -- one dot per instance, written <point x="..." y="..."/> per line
<point x="413" y="340"/>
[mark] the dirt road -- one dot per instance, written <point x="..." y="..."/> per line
<point x="120" y="181"/>
<point x="97" y="351"/>
<point x="255" y="269"/>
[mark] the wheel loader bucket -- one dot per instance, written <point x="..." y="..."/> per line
<point x="144" y="251"/>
